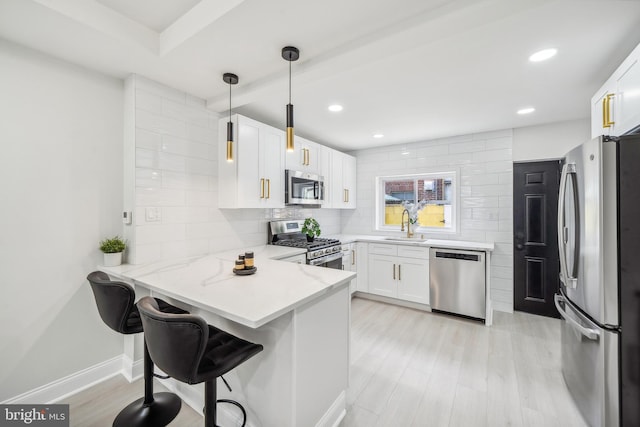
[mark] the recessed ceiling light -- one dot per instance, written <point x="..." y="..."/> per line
<point x="378" y="135"/>
<point x="527" y="110"/>
<point x="335" y="108"/>
<point x="543" y="55"/>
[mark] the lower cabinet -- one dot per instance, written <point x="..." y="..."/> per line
<point x="399" y="272"/>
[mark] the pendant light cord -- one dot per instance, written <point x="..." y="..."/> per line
<point x="229" y="101"/>
<point x="289" y="81"/>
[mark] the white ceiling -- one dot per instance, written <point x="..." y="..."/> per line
<point x="410" y="69"/>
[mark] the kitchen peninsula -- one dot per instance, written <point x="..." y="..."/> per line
<point x="299" y="313"/>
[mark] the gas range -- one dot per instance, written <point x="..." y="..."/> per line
<point x="324" y="252"/>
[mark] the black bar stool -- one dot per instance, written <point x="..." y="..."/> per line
<point x="116" y="306"/>
<point x="187" y="348"/>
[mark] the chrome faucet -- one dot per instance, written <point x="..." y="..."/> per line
<point x="409" y="233"/>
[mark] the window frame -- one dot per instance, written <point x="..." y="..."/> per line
<point x="453" y="174"/>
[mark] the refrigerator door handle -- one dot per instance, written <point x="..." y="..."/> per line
<point x="563" y="232"/>
<point x="590" y="333"/>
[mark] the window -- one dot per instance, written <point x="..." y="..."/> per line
<point x="430" y="199"/>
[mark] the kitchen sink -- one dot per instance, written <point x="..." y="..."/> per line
<point x="405" y="239"/>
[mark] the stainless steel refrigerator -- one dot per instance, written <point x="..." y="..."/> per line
<point x="599" y="297"/>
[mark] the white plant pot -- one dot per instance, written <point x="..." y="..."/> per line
<point x="112" y="260"/>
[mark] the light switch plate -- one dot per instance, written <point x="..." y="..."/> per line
<point x="152" y="214"/>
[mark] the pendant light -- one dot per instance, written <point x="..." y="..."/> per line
<point x="231" y="79"/>
<point x="290" y="53"/>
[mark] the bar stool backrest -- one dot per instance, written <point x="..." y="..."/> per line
<point x="176" y="342"/>
<point x="115" y="301"/>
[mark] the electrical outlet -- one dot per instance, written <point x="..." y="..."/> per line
<point x="152" y="214"/>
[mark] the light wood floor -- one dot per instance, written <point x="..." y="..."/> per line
<point x="410" y="368"/>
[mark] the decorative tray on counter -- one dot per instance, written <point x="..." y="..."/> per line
<point x="245" y="271"/>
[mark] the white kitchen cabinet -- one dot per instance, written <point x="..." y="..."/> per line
<point x="325" y="171"/>
<point x="399" y="272"/>
<point x="615" y="108"/>
<point x="255" y="178"/>
<point x="343" y="180"/>
<point x="348" y="263"/>
<point x="382" y="275"/>
<point x="305" y="157"/>
<point x="361" y="255"/>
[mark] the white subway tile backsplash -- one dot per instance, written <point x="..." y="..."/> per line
<point x="201" y="198"/>
<point x="148" y="140"/>
<point x="480" y="202"/>
<point x="202" y="134"/>
<point x="489" y="214"/>
<point x="501" y="261"/>
<point x="159" y="124"/>
<point x="185" y="147"/>
<point x="148" y="101"/>
<point x="187" y="113"/>
<point x="148" y="178"/>
<point x="159" y="89"/>
<point x="492" y="155"/>
<point x="185" y="181"/>
<point x="480" y="179"/>
<point x="467" y="147"/>
<point x="497" y="143"/>
<point x="159" y="197"/>
<point x="147" y="159"/>
<point x="147" y="234"/>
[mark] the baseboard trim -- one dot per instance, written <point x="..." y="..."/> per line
<point x="132" y="370"/>
<point x="505" y="307"/>
<point x="336" y="412"/>
<point x="64" y="387"/>
<point x="394" y="301"/>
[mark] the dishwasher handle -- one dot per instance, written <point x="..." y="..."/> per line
<point x="459" y="256"/>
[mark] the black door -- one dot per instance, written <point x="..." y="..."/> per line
<point x="536" y="266"/>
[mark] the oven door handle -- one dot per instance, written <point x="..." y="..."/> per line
<point x="592" y="334"/>
<point x="327" y="258"/>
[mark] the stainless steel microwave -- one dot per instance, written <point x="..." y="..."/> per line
<point x="302" y="188"/>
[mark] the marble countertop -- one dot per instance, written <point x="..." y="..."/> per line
<point x="394" y="240"/>
<point x="208" y="282"/>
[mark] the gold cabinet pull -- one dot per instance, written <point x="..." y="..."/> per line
<point x="399" y="272"/>
<point x="353" y="257"/>
<point x="609" y="121"/>
<point x="305" y="157"/>
<point x="394" y="272"/>
<point x="262" y="188"/>
<point x="268" y="188"/>
<point x="604" y="112"/>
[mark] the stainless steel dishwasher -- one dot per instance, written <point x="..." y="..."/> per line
<point x="457" y="282"/>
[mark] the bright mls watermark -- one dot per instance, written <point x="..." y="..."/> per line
<point x="34" y="415"/>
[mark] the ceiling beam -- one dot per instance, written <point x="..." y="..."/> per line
<point x="195" y="20"/>
<point x="106" y="20"/>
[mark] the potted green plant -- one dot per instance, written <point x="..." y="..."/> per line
<point x="112" y="249"/>
<point x="311" y="228"/>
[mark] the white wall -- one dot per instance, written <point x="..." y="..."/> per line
<point x="61" y="192"/>
<point x="484" y="162"/>
<point x="174" y="172"/>
<point x="550" y="141"/>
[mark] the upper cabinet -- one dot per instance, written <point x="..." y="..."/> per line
<point x="615" y="108"/>
<point x="255" y="177"/>
<point x="305" y="157"/>
<point x="343" y="181"/>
